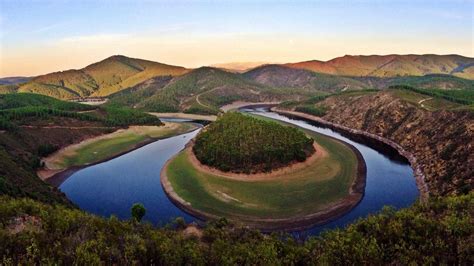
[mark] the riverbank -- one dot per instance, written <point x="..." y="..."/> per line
<point x="185" y="116"/>
<point x="419" y="175"/>
<point x="239" y="104"/>
<point x="61" y="164"/>
<point x="309" y="198"/>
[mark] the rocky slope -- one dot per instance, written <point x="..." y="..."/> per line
<point x="442" y="141"/>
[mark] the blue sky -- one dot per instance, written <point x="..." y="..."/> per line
<point x="42" y="36"/>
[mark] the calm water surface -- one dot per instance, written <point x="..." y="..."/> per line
<point x="110" y="188"/>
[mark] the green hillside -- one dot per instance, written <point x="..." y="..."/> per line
<point x="99" y="79"/>
<point x="32" y="126"/>
<point x="16" y="100"/>
<point x="200" y="91"/>
<point x="431" y="81"/>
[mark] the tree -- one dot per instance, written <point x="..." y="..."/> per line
<point x="138" y="211"/>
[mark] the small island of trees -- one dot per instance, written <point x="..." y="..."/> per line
<point x="243" y="144"/>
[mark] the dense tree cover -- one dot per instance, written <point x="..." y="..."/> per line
<point x="16" y="100"/>
<point x="15" y="107"/>
<point x="18" y="179"/>
<point x="109" y="116"/>
<point x="202" y="110"/>
<point x="311" y="109"/>
<point x="464" y="96"/>
<point x="122" y="116"/>
<point x="439" y="232"/>
<point x="240" y="143"/>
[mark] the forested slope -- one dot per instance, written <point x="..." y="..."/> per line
<point x="33" y="126"/>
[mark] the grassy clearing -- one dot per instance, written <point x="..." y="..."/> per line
<point x="302" y="192"/>
<point x="431" y="103"/>
<point x="107" y="146"/>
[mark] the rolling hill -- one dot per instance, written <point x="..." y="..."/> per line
<point x="282" y="76"/>
<point x="159" y="87"/>
<point x="239" y="67"/>
<point x="392" y="65"/>
<point x="13" y="80"/>
<point x="99" y="79"/>
<point x="201" y="90"/>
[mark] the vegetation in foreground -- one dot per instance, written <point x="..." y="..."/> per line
<point x="439" y="232"/>
<point x="240" y="143"/>
<point x="292" y="194"/>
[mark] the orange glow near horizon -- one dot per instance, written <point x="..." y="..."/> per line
<point x="192" y="52"/>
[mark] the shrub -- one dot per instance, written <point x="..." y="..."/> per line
<point x="138" y="211"/>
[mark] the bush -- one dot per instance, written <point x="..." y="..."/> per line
<point x="138" y="211"/>
<point x="46" y="149"/>
<point x="438" y="232"/>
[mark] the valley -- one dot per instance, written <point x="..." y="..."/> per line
<point x="371" y="141"/>
<point x="236" y="132"/>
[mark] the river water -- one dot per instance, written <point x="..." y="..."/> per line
<point x="112" y="187"/>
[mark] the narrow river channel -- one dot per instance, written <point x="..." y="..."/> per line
<point x="111" y="188"/>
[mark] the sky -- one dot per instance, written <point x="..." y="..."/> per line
<point x="38" y="37"/>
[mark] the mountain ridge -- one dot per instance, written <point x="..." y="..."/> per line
<point x="392" y="65"/>
<point x="119" y="73"/>
<point x="99" y="79"/>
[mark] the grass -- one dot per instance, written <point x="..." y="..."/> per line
<point x="432" y="104"/>
<point x="302" y="192"/>
<point x="107" y="146"/>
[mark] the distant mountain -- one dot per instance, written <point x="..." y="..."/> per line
<point x="13" y="80"/>
<point x="287" y="77"/>
<point x="392" y="65"/>
<point x="100" y="79"/>
<point x="239" y="67"/>
<point x="160" y="87"/>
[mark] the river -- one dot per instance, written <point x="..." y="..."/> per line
<point x="111" y="187"/>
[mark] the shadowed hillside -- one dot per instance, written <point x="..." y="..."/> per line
<point x="392" y="65"/>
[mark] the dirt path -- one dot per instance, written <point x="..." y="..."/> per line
<point x="199" y="101"/>
<point x="424" y="100"/>
<point x="319" y="154"/>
